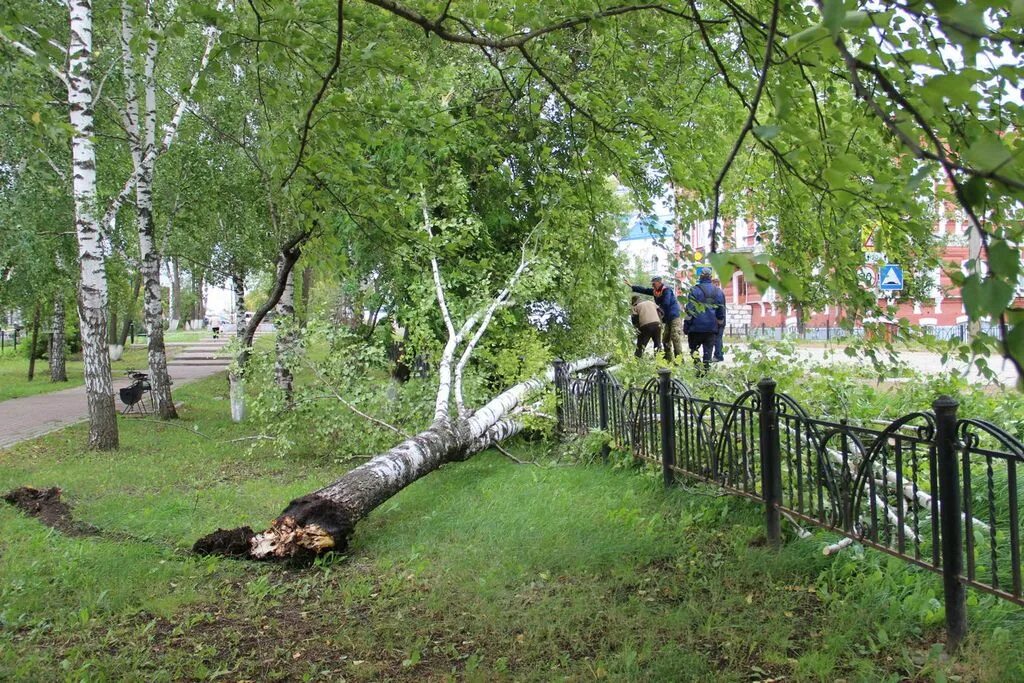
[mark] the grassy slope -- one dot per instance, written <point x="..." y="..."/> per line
<point x="14" y="373"/>
<point x="486" y="570"/>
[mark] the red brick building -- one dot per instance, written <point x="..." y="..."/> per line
<point x="942" y="308"/>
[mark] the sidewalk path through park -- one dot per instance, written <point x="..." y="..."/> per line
<point x="32" y="416"/>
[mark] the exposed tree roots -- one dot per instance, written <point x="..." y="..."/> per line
<point x="46" y="506"/>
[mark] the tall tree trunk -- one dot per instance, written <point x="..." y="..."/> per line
<point x="150" y="258"/>
<point x="34" y="343"/>
<point x="58" y="356"/>
<point x="198" y="282"/>
<point x="129" y="317"/>
<point x="175" y="303"/>
<point x="236" y="378"/>
<point x="92" y="295"/>
<point x="284" y="321"/>
<point x="325" y="519"/>
<point x="307" y="285"/>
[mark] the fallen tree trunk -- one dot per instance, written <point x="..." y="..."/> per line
<point x="325" y="519"/>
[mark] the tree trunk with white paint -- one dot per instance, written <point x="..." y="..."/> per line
<point x="58" y="343"/>
<point x="174" y="272"/>
<point x="236" y="378"/>
<point x="246" y="332"/>
<point x="325" y="519"/>
<point x="150" y="258"/>
<point x="92" y="295"/>
<point x="33" y="344"/>
<point x="284" y="321"/>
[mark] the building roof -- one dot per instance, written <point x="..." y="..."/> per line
<point x="646" y="227"/>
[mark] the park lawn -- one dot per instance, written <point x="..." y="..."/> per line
<point x="14" y="372"/>
<point x="486" y="570"/>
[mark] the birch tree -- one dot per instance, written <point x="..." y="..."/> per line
<point x="325" y="520"/>
<point x="92" y="294"/>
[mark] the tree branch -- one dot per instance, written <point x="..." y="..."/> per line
<point x="747" y="125"/>
<point x="347" y="404"/>
<point x="304" y="138"/>
<point x="515" y="40"/>
<point x="32" y="54"/>
<point x="503" y="295"/>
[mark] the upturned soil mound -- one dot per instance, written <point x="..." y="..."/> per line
<point x="46" y="506"/>
<point x="228" y="542"/>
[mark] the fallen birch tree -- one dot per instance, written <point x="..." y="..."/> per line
<point x="325" y="519"/>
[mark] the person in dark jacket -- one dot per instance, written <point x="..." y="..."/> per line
<point x="672" y="329"/>
<point x="719" y="345"/>
<point x="705" y="314"/>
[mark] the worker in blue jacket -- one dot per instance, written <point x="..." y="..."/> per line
<point x="672" y="322"/>
<point x="705" y="316"/>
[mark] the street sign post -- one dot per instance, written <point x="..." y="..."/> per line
<point x="890" y="278"/>
<point x="866" y="276"/>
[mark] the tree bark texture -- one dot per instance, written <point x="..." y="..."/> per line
<point x="325" y="519"/>
<point x="150" y="265"/>
<point x="284" y="320"/>
<point x="175" y="303"/>
<point x="307" y="285"/>
<point x="142" y="137"/>
<point x="58" y="343"/>
<point x="92" y="294"/>
<point x="236" y="377"/>
<point x="129" y="316"/>
<point x="34" y="343"/>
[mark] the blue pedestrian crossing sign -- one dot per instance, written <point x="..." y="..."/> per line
<point x="890" y="278"/>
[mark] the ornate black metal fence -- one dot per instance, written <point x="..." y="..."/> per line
<point x="931" y="488"/>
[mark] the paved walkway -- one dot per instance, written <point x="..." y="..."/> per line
<point x="32" y="416"/>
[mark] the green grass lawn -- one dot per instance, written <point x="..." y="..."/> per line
<point x="14" y="373"/>
<point x="485" y="570"/>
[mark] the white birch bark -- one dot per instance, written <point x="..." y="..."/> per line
<point x="58" y="356"/>
<point x="284" y="321"/>
<point x="92" y="297"/>
<point x="149" y="268"/>
<point x="325" y="519"/>
<point x="498" y="301"/>
<point x="170" y="130"/>
<point x="236" y="379"/>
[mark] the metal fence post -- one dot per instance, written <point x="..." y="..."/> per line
<point x="559" y="395"/>
<point x="771" y="461"/>
<point x="602" y="404"/>
<point x="668" y="426"/>
<point x="950" y="513"/>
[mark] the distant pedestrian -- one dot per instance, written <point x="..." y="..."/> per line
<point x="215" y="325"/>
<point x="705" y="314"/>
<point x="719" y="347"/>
<point x="647" y="321"/>
<point x="672" y="328"/>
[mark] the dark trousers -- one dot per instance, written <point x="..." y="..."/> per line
<point x="706" y="342"/>
<point x="647" y="333"/>
<point x="719" y="353"/>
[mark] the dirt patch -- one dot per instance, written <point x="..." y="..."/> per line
<point x="228" y="542"/>
<point x="46" y="506"/>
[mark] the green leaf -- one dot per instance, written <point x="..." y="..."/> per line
<point x="766" y="132"/>
<point x="975" y="192"/>
<point x="724" y="265"/>
<point x="987" y="154"/>
<point x="832" y="16"/>
<point x="1003" y="260"/>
